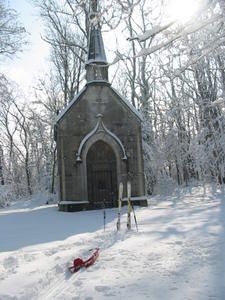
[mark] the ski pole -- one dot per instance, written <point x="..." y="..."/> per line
<point x="129" y="205"/>
<point x="135" y="219"/>
<point x="104" y="214"/>
<point x="119" y="205"/>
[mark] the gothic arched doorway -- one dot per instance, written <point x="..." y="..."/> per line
<point x="101" y="175"/>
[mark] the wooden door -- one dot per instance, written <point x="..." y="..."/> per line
<point x="101" y="175"/>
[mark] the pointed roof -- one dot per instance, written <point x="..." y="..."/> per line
<point x="96" y="50"/>
<point x="121" y="99"/>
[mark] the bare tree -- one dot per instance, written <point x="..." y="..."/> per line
<point x="12" y="33"/>
<point x="49" y="101"/>
<point x="66" y="32"/>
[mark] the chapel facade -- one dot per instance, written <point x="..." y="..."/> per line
<point x="99" y="139"/>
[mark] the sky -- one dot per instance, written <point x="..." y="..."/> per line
<point x="25" y="67"/>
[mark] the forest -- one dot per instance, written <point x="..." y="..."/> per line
<point x="167" y="61"/>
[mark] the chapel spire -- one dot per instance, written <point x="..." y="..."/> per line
<point x="96" y="64"/>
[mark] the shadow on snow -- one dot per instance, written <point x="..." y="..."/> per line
<point x="36" y="226"/>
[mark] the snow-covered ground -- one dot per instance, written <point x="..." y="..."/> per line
<point x="178" y="253"/>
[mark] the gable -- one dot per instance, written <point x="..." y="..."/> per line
<point x="121" y="99"/>
<point x="127" y="104"/>
<point x="75" y="99"/>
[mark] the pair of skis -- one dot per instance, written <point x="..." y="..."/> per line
<point x="130" y="207"/>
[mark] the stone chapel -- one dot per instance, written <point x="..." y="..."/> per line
<point x="99" y="139"/>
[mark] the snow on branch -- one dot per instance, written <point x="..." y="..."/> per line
<point x="150" y="33"/>
<point x="209" y="48"/>
<point x="219" y="101"/>
<point x="189" y="29"/>
<point x="117" y="58"/>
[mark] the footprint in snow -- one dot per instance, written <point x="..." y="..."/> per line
<point x="51" y="252"/>
<point x="59" y="269"/>
<point x="10" y="262"/>
<point x="101" y="288"/>
<point x="78" y="283"/>
<point x="109" y="258"/>
<point x="109" y="294"/>
<point x="29" y="257"/>
<point x="178" y="243"/>
<point x="6" y="297"/>
<point x="2" y="275"/>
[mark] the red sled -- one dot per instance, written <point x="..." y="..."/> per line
<point x="79" y="263"/>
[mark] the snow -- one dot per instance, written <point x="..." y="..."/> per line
<point x="178" y="252"/>
<point x="73" y="202"/>
<point x="150" y="33"/>
<point x="219" y="101"/>
<point x="187" y="30"/>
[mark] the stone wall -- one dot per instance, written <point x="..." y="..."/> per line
<point x="79" y="121"/>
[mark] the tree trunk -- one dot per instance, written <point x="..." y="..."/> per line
<point x="1" y="167"/>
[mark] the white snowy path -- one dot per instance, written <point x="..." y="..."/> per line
<point x="178" y="253"/>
